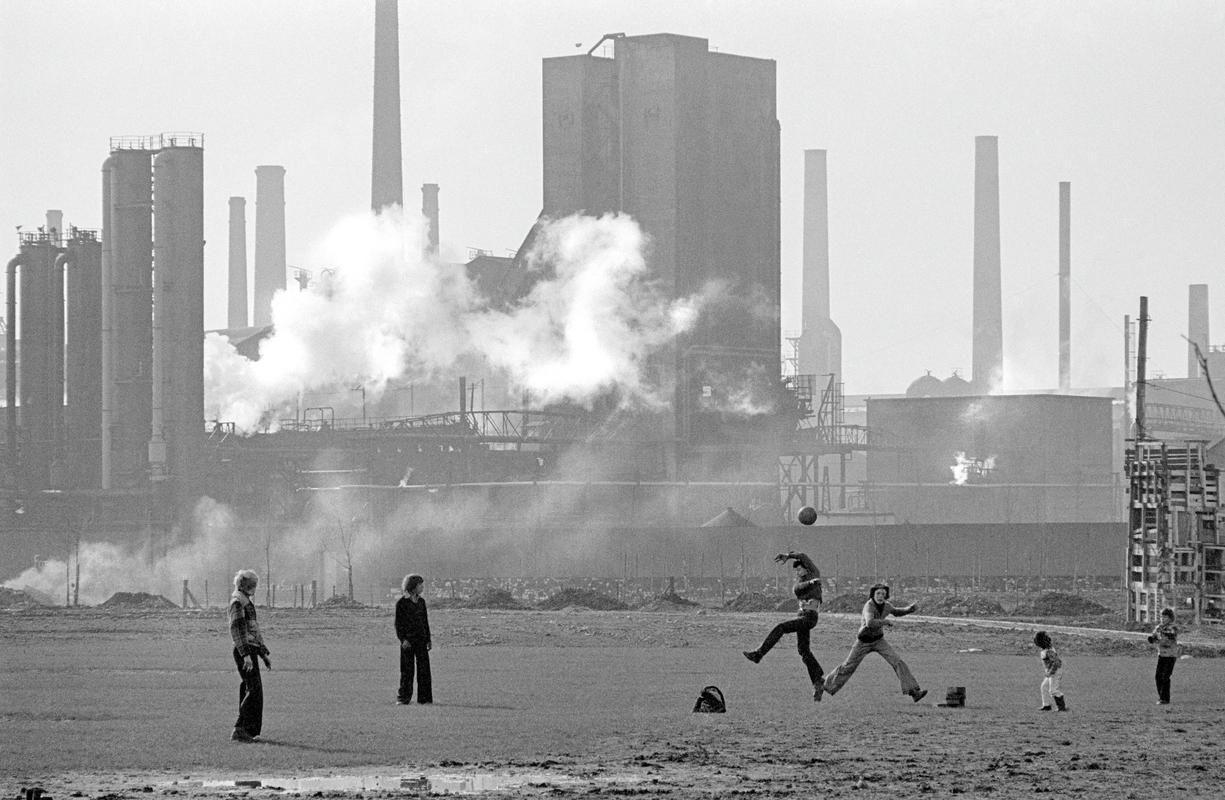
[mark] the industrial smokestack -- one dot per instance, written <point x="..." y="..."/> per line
<point x="1065" y="286"/>
<point x="55" y="223"/>
<point x="429" y="208"/>
<point x="269" y="239"/>
<point x="820" y="351"/>
<point x="1197" y="326"/>
<point x="237" y="292"/>
<point x="988" y="345"/>
<point x="386" y="177"/>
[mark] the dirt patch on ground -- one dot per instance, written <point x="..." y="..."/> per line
<point x="104" y="703"/>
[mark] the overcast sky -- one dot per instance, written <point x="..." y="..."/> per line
<point x="1125" y="100"/>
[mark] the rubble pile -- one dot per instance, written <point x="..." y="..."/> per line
<point x="138" y="601"/>
<point x="958" y="606"/>
<point x="668" y="601"/>
<point x="581" y="598"/>
<point x="1057" y="604"/>
<point x="15" y="598"/>
<point x="492" y="598"/>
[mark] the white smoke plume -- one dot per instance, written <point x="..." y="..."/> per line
<point x="383" y="310"/>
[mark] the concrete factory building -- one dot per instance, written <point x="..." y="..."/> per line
<point x="686" y="141"/>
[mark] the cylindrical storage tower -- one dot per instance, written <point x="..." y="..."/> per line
<point x="128" y="311"/>
<point x="269" y="240"/>
<point x="40" y="357"/>
<point x="83" y="357"/>
<point x="178" y="313"/>
<point x="236" y="290"/>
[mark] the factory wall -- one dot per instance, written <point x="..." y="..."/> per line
<point x="1048" y="458"/>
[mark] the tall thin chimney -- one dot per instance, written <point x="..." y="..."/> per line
<point x="55" y="223"/>
<point x="1197" y="326"/>
<point x="1065" y="286"/>
<point x="269" y="240"/>
<point x="386" y="177"/>
<point x="820" y="351"/>
<point x="237" y="292"/>
<point x="988" y="346"/>
<point x="429" y="208"/>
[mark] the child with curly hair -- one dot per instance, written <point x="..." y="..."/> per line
<point x="1052" y="667"/>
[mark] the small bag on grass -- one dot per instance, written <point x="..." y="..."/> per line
<point x="710" y="701"/>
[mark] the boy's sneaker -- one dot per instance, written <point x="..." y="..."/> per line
<point x="1045" y="708"/>
<point x="918" y="694"/>
<point x="240" y="735"/>
<point x="753" y="655"/>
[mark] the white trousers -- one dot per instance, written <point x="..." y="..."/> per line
<point x="1050" y="689"/>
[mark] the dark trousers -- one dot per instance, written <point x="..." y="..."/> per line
<point x="250" y="697"/>
<point x="800" y="626"/>
<point x="415" y="658"/>
<point x="1165" y="669"/>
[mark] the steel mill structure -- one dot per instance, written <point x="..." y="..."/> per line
<point x="105" y="435"/>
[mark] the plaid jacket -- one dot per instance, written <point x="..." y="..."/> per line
<point x="244" y="629"/>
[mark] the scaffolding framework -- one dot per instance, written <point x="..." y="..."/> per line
<point x="1175" y="550"/>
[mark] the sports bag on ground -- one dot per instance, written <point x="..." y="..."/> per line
<point x="710" y="701"/>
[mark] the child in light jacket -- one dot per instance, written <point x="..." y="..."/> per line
<point x="1052" y="666"/>
<point x="1165" y="636"/>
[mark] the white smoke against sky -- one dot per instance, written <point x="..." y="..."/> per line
<point x="588" y="327"/>
<point x="383" y="310"/>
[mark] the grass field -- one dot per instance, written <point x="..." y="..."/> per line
<point x="574" y="703"/>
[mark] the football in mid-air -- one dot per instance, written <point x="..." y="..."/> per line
<point x="807" y="515"/>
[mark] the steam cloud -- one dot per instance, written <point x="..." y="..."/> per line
<point x="386" y="311"/>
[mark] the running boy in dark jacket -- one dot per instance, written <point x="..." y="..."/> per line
<point x="807" y="590"/>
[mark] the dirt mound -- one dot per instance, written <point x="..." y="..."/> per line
<point x="340" y="601"/>
<point x="845" y="604"/>
<point x="756" y="601"/>
<point x="584" y="598"/>
<point x="668" y="601"/>
<point x="1057" y="604"/>
<point x="956" y="606"/>
<point x="15" y="598"/>
<point x="492" y="598"/>
<point x="142" y="601"/>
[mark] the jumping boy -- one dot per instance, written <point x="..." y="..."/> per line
<point x="807" y="590"/>
<point x="871" y="639"/>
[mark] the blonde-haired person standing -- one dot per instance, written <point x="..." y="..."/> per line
<point x="413" y="631"/>
<point x="249" y="648"/>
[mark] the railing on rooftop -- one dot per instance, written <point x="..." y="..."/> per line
<point x="158" y="141"/>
